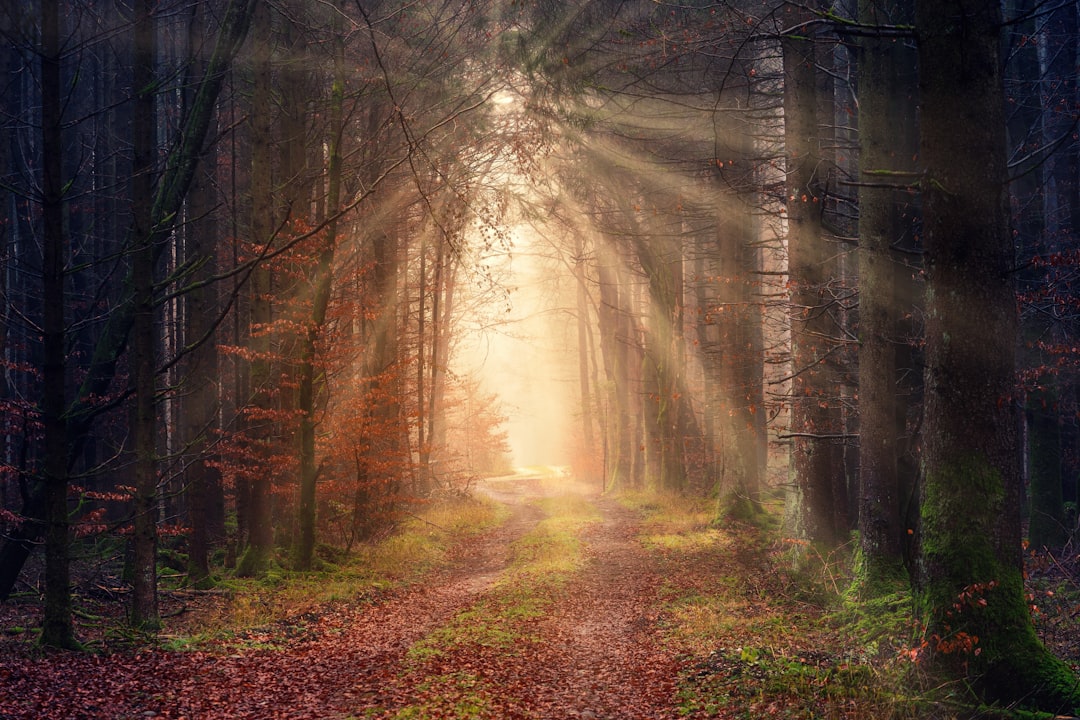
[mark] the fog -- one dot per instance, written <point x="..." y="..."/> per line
<point x="526" y="356"/>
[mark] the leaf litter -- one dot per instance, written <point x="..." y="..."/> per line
<point x="648" y="621"/>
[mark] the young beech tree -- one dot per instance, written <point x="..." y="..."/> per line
<point x="971" y="591"/>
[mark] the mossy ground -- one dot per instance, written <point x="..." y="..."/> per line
<point x="767" y="628"/>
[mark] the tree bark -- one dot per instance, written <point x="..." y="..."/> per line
<point x="200" y="403"/>
<point x="57" y="629"/>
<point x="144" y="606"/>
<point x="812" y="508"/>
<point x="260" y="531"/>
<point x="885" y="110"/>
<point x="971" y="589"/>
<point x="588" y="438"/>
<point x="322" y="281"/>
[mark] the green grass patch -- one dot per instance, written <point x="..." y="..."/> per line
<point x="551" y="552"/>
<point x="497" y="624"/>
<point x="675" y="523"/>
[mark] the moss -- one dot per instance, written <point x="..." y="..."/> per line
<point x="881" y="578"/>
<point x="253" y="562"/>
<point x="977" y="617"/>
<point x="742" y="508"/>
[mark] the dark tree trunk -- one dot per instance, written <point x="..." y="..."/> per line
<point x="322" y="282"/>
<point x="56" y="629"/>
<point x="812" y="510"/>
<point x="970" y="544"/>
<point x="144" y="605"/>
<point x="885" y="109"/>
<point x="200" y="403"/>
<point x="260" y="536"/>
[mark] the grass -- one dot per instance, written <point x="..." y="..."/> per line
<point x="418" y="546"/>
<point x="541" y="562"/>
<point x="551" y="552"/>
<point x="766" y="634"/>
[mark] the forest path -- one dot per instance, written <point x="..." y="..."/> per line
<point x="471" y="641"/>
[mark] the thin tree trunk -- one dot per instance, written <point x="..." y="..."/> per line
<point x="811" y="511"/>
<point x="260" y="531"/>
<point x="56" y="629"/>
<point x="144" y="607"/>
<point x="320" y="301"/>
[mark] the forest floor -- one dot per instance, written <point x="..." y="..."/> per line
<point x="546" y="602"/>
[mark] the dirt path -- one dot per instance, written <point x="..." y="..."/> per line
<point x="602" y="654"/>
<point x="594" y="652"/>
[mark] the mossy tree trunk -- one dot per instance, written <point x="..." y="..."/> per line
<point x="971" y="592"/>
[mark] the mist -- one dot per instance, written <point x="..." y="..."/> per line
<point x="526" y="355"/>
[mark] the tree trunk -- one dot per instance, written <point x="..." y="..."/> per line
<point x="741" y="370"/>
<point x="971" y="589"/>
<point x="144" y="607"/>
<point x="260" y="531"/>
<point x="811" y="510"/>
<point x="884" y="106"/>
<point x="56" y="628"/>
<point x="661" y="369"/>
<point x="613" y="348"/>
<point x="322" y="282"/>
<point x="588" y="439"/>
<point x="199" y="405"/>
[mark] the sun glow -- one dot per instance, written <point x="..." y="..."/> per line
<point x="526" y="356"/>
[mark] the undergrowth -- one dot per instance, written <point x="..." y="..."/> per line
<point x="767" y="628"/>
<point x="282" y="596"/>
